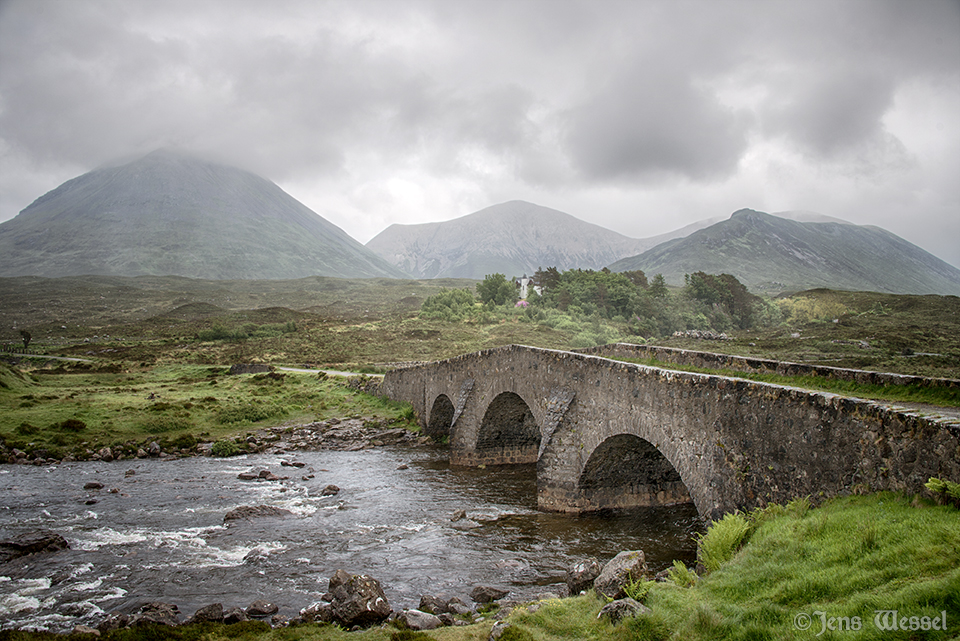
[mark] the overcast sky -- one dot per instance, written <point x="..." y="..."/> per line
<point x="641" y="116"/>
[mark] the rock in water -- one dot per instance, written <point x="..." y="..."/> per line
<point x="255" y="512"/>
<point x="31" y="543"/>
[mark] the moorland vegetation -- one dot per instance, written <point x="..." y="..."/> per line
<point x="154" y="365"/>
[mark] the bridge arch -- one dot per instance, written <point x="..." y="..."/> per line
<point x="508" y="432"/>
<point x="626" y="470"/>
<point x="440" y="419"/>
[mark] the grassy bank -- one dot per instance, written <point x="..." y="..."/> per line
<point x="785" y="572"/>
<point x="78" y="408"/>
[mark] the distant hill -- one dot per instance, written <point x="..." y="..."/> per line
<point x="772" y="254"/>
<point x="511" y="238"/>
<point x="172" y="214"/>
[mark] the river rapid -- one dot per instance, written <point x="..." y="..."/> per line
<point x="159" y="533"/>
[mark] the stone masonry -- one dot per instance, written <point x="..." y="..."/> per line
<point x="608" y="434"/>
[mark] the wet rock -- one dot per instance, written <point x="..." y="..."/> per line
<point x="93" y="485"/>
<point x="154" y="449"/>
<point x="330" y="490"/>
<point x="417" y="620"/>
<point x="621" y="609"/>
<point x="156" y="613"/>
<point x="261" y="608"/>
<point x="458" y="516"/>
<point x="267" y="475"/>
<point x="486" y="594"/>
<point x="357" y="600"/>
<point x="581" y="575"/>
<point x="207" y="614"/>
<point x="256" y="512"/>
<point x="105" y="454"/>
<point x="622" y="569"/>
<point x="403" y="466"/>
<point x="85" y="629"/>
<point x="234" y="615"/>
<point x="129" y="473"/>
<point x="31" y="543"/>
<point x="116" y="621"/>
<point x="432" y="604"/>
<point x="248" y="476"/>
<point x="456" y="606"/>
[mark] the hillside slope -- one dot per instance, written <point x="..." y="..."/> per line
<point x="171" y="214"/>
<point x="511" y="238"/>
<point x="772" y="254"/>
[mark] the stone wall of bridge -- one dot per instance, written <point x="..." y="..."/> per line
<point x="612" y="434"/>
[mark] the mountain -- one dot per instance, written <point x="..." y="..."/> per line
<point x="511" y="238"/>
<point x="773" y="254"/>
<point x="172" y="214"/>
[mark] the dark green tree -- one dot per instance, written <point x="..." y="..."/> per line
<point x="25" y="337"/>
<point x="496" y="290"/>
<point x="658" y="288"/>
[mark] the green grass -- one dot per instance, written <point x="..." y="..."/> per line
<point x="72" y="410"/>
<point x="848" y="558"/>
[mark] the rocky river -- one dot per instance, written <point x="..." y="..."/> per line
<point x="144" y="530"/>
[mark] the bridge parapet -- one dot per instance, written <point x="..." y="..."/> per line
<point x="732" y="443"/>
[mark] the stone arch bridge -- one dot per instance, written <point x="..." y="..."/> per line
<point x="609" y="434"/>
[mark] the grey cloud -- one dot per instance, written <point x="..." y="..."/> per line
<point x="833" y="113"/>
<point x="653" y="122"/>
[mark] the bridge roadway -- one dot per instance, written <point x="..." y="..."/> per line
<point x="609" y="434"/>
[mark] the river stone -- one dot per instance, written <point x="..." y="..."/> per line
<point x="248" y="476"/>
<point x="486" y="594"/>
<point x="156" y="613"/>
<point x="85" y="629"/>
<point x="115" y="621"/>
<point x="580" y="576"/>
<point x="432" y="604"/>
<point x="357" y="599"/>
<point x="624" y="568"/>
<point x="256" y="512"/>
<point x="621" y="609"/>
<point x="261" y="608"/>
<point x="330" y="490"/>
<point x="417" y="620"/>
<point x="208" y="613"/>
<point x="497" y="630"/>
<point x="234" y="615"/>
<point x="93" y="485"/>
<point x="31" y="543"/>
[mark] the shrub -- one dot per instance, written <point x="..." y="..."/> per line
<point x="223" y="449"/>
<point x="947" y="492"/>
<point x="26" y="429"/>
<point x="167" y="423"/>
<point x="247" y="413"/>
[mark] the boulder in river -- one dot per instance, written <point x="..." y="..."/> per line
<point x="234" y="615"/>
<point x="330" y="490"/>
<point x="156" y="613"/>
<point x="260" y="609"/>
<point x="93" y="485"/>
<point x="256" y="512"/>
<point x="31" y="543"/>
<point x="624" y="568"/>
<point x="212" y="613"/>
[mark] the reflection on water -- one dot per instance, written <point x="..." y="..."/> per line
<point x="159" y="534"/>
